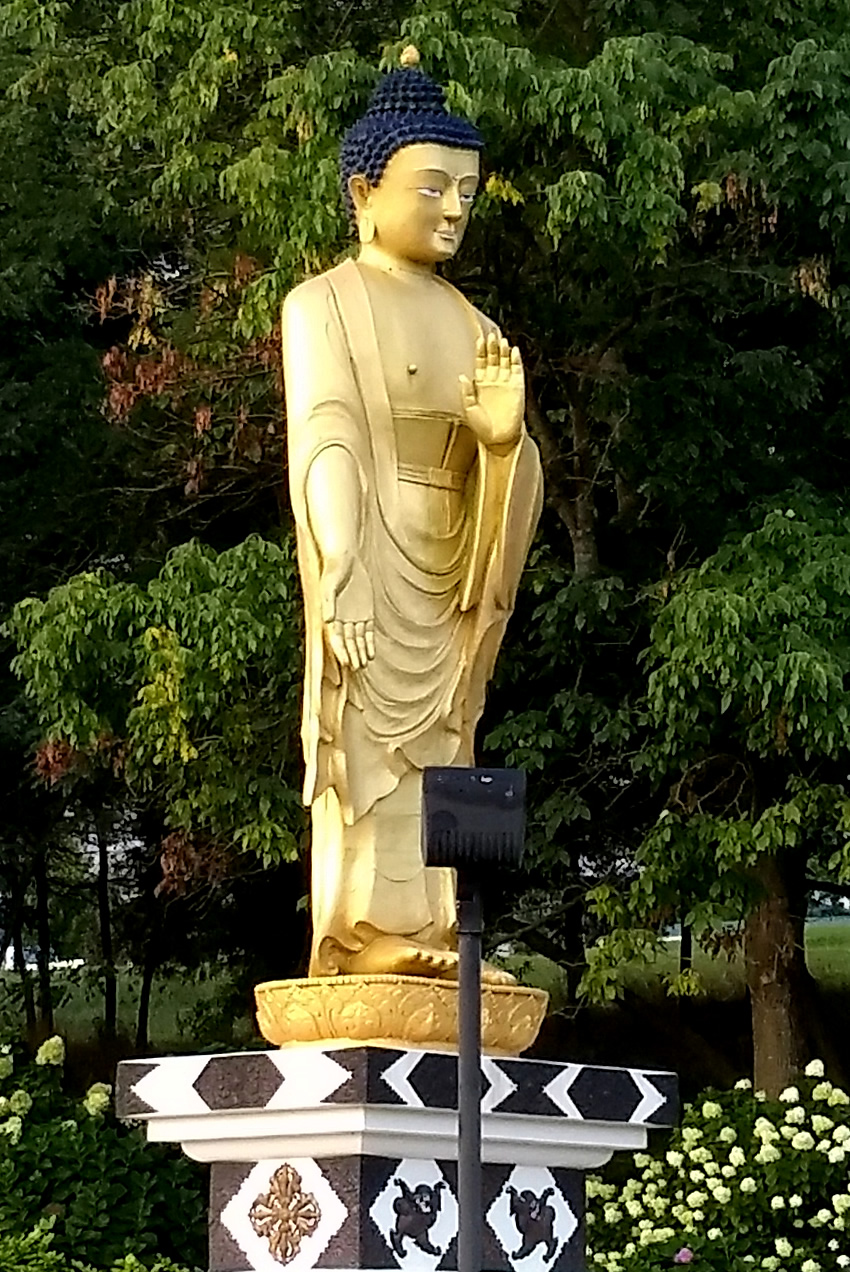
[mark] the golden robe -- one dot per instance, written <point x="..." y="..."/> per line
<point x="444" y="547"/>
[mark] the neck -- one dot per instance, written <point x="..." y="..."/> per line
<point x="374" y="255"/>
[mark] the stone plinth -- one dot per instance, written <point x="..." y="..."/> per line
<point x="344" y="1158"/>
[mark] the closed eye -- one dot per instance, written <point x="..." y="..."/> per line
<point x="431" y="191"/>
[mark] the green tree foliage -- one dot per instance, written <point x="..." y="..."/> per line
<point x="189" y="687"/>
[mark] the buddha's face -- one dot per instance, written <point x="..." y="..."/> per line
<point x="420" y="208"/>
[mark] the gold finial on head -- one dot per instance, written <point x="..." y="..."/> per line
<point x="409" y="56"/>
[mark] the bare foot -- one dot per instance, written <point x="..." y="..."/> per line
<point x="402" y="956"/>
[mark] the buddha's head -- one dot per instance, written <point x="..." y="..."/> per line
<point x="410" y="169"/>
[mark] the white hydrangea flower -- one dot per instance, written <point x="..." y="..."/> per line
<point x="770" y="1263"/>
<point x="822" y="1091"/>
<point x="787" y="1131"/>
<point x="7" y="1066"/>
<point x="796" y="1115"/>
<point x="764" y="1129"/>
<point x="723" y="1195"/>
<point x="843" y="1260"/>
<point x="727" y="1171"/>
<point x="634" y="1207"/>
<point x="790" y="1095"/>
<point x="711" y="1168"/>
<point x="748" y="1185"/>
<point x="837" y="1096"/>
<point x="814" y="1069"/>
<point x="777" y="1203"/>
<point x="810" y="1265"/>
<point x="51" y="1052"/>
<point x="96" y="1100"/>
<point x="767" y="1153"/>
<point x="737" y="1156"/>
<point x="833" y="1245"/>
<point x="841" y="1203"/>
<point x="674" y="1158"/>
<point x="727" y="1135"/>
<point x="824" y="1215"/>
<point x="711" y="1109"/>
<point x="12" y="1127"/>
<point x="743" y="1084"/>
<point x="714" y="1234"/>
<point x="803" y="1141"/>
<point x="696" y="1198"/>
<point x="700" y="1154"/>
<point x="821" y="1124"/>
<point x="841" y="1134"/>
<point x="783" y="1247"/>
<point x="612" y="1214"/>
<point x="641" y="1160"/>
<point x="795" y="1200"/>
<point x="696" y="1176"/>
<point x="20" y="1102"/>
<point x="690" y="1134"/>
<point x="824" y="1146"/>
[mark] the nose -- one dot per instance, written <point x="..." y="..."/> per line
<point x="452" y="208"/>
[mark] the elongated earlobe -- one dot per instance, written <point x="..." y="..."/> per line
<point x="365" y="227"/>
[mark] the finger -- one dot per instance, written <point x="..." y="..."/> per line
<point x="370" y="640"/>
<point x="492" y="354"/>
<point x="360" y="641"/>
<point x="516" y="361"/>
<point x="504" y="360"/>
<point x="351" y="646"/>
<point x="480" y="355"/>
<point x="467" y="390"/>
<point x="337" y="641"/>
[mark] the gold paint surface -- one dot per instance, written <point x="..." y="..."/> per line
<point x="285" y="1215"/>
<point x="416" y="492"/>
<point x="394" y="1011"/>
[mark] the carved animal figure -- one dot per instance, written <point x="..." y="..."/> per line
<point x="416" y="1213"/>
<point x="535" y="1221"/>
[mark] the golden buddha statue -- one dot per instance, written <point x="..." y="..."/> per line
<point x="416" y="492"/>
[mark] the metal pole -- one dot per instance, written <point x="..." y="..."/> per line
<point x="469" y="929"/>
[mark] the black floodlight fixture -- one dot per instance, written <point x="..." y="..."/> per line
<point x="473" y="817"/>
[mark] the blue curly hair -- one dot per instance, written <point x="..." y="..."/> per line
<point x="407" y="108"/>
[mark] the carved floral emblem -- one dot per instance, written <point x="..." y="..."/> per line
<point x="286" y="1214"/>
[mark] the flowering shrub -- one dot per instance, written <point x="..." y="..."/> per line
<point x="747" y="1183"/>
<point x="78" y="1189"/>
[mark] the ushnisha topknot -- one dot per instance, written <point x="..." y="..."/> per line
<point x="407" y="108"/>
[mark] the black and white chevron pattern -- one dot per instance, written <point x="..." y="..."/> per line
<point x="310" y="1077"/>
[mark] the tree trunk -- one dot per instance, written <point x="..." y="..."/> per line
<point x="776" y="973"/>
<point x="686" y="946"/>
<point x="42" y="914"/>
<point x="148" y="972"/>
<point x="585" y="551"/>
<point x="110" y="983"/>
<point x="21" y="969"/>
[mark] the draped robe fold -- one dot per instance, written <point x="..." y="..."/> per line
<point x="444" y="552"/>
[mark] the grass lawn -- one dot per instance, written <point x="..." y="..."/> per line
<point x="827" y="955"/>
<point x="183" y="1012"/>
